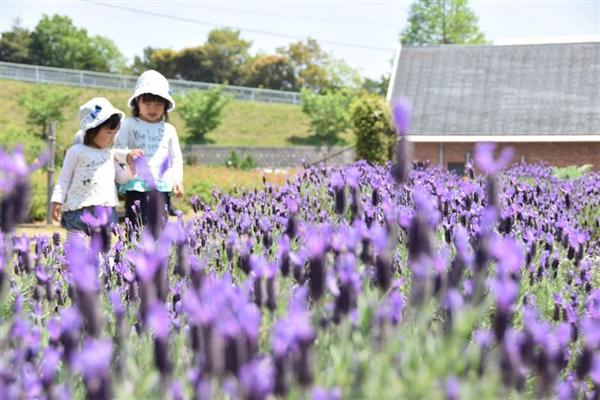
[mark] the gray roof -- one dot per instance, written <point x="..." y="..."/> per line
<point x="549" y="89"/>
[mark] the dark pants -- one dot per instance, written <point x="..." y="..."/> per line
<point x="131" y="211"/>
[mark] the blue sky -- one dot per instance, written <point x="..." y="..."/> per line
<point x="370" y="28"/>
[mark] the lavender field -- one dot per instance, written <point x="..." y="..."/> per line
<point x="361" y="282"/>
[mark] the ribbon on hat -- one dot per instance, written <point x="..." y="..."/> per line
<point x="93" y="114"/>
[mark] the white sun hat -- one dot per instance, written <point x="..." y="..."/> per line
<point x="153" y="82"/>
<point x="95" y="112"/>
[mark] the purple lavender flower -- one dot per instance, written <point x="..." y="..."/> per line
<point x="256" y="379"/>
<point x="484" y="157"/>
<point x="15" y="188"/>
<point x="316" y="247"/>
<point x="337" y="183"/>
<point x="143" y="171"/>
<point x="566" y="390"/>
<point x="595" y="371"/>
<point x="93" y="361"/>
<point x="158" y="320"/>
<point x="70" y="323"/>
<point x="81" y="265"/>
<point x="392" y="308"/>
<point x="403" y="158"/>
<point x="319" y="393"/>
<point x="98" y="224"/>
<point x="592" y="304"/>
<point x="117" y="304"/>
<point x="510" y="256"/>
<point x="49" y="367"/>
<point x="505" y="291"/>
<point x="98" y="218"/>
<point x="401" y="112"/>
<point x="452" y="388"/>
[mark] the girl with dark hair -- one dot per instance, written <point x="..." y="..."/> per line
<point x="90" y="169"/>
<point x="150" y="131"/>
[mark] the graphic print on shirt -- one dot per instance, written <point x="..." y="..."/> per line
<point x="150" y="140"/>
<point x="87" y="180"/>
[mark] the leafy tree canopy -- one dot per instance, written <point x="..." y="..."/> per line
<point x="57" y="42"/>
<point x="441" y="22"/>
<point x="14" y="44"/>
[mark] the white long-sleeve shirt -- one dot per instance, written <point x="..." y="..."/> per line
<point x="159" y="141"/>
<point x="88" y="177"/>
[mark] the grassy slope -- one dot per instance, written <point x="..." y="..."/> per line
<point x="244" y="123"/>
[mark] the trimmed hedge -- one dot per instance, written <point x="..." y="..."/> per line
<point x="375" y="135"/>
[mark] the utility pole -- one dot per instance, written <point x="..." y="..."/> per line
<point x="51" y="132"/>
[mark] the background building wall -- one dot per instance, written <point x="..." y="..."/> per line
<point x="556" y="154"/>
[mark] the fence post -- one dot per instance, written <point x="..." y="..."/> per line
<point x="51" y="132"/>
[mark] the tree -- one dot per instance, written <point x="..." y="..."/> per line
<point x="56" y="42"/>
<point x="307" y="60"/>
<point x="201" y="111"/>
<point x="226" y="53"/>
<point x="14" y="44"/>
<point x="161" y="60"/>
<point x="340" y="74"/>
<point x="441" y="22"/>
<point x="108" y="52"/>
<point x="190" y="64"/>
<point x="272" y="71"/>
<point x="328" y="114"/>
<point x="45" y="104"/>
<point x="379" y="87"/>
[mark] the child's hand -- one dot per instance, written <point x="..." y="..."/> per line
<point x="56" y="211"/>
<point x="178" y="189"/>
<point x="133" y="154"/>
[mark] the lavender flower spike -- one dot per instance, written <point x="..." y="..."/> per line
<point x="401" y="167"/>
<point x="401" y="113"/>
<point x="484" y="157"/>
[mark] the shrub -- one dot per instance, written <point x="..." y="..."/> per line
<point x="201" y="112"/>
<point x="571" y="172"/>
<point x="375" y="136"/>
<point x="14" y="135"/>
<point x="191" y="159"/>
<point x="235" y="161"/>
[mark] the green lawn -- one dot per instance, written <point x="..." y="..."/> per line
<point x="244" y="123"/>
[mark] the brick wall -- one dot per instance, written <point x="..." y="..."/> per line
<point x="556" y="154"/>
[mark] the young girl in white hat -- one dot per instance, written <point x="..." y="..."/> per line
<point x="150" y="131"/>
<point x="87" y="178"/>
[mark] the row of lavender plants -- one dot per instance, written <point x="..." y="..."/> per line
<point x="360" y="282"/>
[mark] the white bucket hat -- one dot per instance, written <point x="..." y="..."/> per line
<point x="95" y="112"/>
<point x="153" y="82"/>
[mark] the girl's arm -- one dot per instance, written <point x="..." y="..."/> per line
<point x="177" y="165"/>
<point x="123" y="173"/>
<point x="122" y="139"/>
<point x="124" y="165"/>
<point x="61" y="188"/>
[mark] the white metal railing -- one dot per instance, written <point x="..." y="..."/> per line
<point x="89" y="79"/>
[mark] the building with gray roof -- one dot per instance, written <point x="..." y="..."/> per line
<point x="543" y="99"/>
